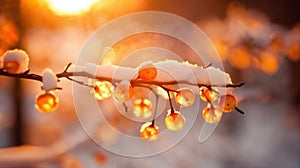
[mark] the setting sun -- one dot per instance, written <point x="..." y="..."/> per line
<point x="70" y="7"/>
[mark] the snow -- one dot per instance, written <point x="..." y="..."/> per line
<point x="19" y="56"/>
<point x="49" y="80"/>
<point x="146" y="64"/>
<point x="168" y="70"/>
<point x="212" y="75"/>
<point x="109" y="71"/>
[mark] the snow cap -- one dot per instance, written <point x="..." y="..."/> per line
<point x="49" y="80"/>
<point x="15" y="61"/>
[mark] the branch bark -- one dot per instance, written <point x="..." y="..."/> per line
<point x="68" y="75"/>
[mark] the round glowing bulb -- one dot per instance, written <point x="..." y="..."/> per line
<point x="46" y="102"/>
<point x="174" y="121"/>
<point x="149" y="131"/>
<point x="207" y="94"/>
<point x="227" y="102"/>
<point x="148" y="73"/>
<point x="102" y="90"/>
<point x="142" y="108"/>
<point x="212" y="115"/>
<point x="185" y="97"/>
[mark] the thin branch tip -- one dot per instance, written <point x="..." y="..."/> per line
<point x="242" y="84"/>
<point x="235" y="85"/>
<point x="239" y="110"/>
<point x="206" y="66"/>
<point x="67" y="67"/>
<point x="27" y="71"/>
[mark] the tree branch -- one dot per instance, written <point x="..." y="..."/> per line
<point x="65" y="74"/>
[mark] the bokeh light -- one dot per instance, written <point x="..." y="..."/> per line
<point x="70" y="7"/>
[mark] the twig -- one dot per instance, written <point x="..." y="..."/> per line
<point x="80" y="82"/>
<point x="67" y="75"/>
<point x="67" y="67"/>
<point x="156" y="104"/>
<point x="206" y="66"/>
<point x="170" y="101"/>
<point x="125" y="107"/>
<point x="239" y="110"/>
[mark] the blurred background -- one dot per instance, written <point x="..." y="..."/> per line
<point x="258" y="41"/>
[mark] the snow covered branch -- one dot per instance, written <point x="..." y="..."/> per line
<point x="169" y="79"/>
<point x="68" y="75"/>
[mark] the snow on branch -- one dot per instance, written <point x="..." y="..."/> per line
<point x="164" y="78"/>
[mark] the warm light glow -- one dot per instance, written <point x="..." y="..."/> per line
<point x="294" y="52"/>
<point x="102" y="90"/>
<point x="148" y="73"/>
<point x="212" y="115"/>
<point x="109" y="56"/>
<point x="174" y="121"/>
<point x="46" y="102"/>
<point x="100" y="158"/>
<point x="269" y="63"/>
<point x="142" y="108"/>
<point x="208" y="95"/>
<point x="9" y="35"/>
<point x="256" y="62"/>
<point x="222" y="49"/>
<point x="70" y="7"/>
<point x="11" y="66"/>
<point x="185" y="97"/>
<point x="227" y="103"/>
<point x="240" y="58"/>
<point x="149" y="131"/>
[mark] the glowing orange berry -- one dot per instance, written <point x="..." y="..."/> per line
<point x="102" y="90"/>
<point x="227" y="102"/>
<point x="174" y="121"/>
<point x="46" y="102"/>
<point x="149" y="131"/>
<point x="208" y="95"/>
<point x="185" y="97"/>
<point x="142" y="108"/>
<point x="212" y="115"/>
<point x="100" y="158"/>
<point x="11" y="66"/>
<point x="123" y="91"/>
<point x="148" y="73"/>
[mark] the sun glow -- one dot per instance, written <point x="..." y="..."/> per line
<point x="70" y="7"/>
